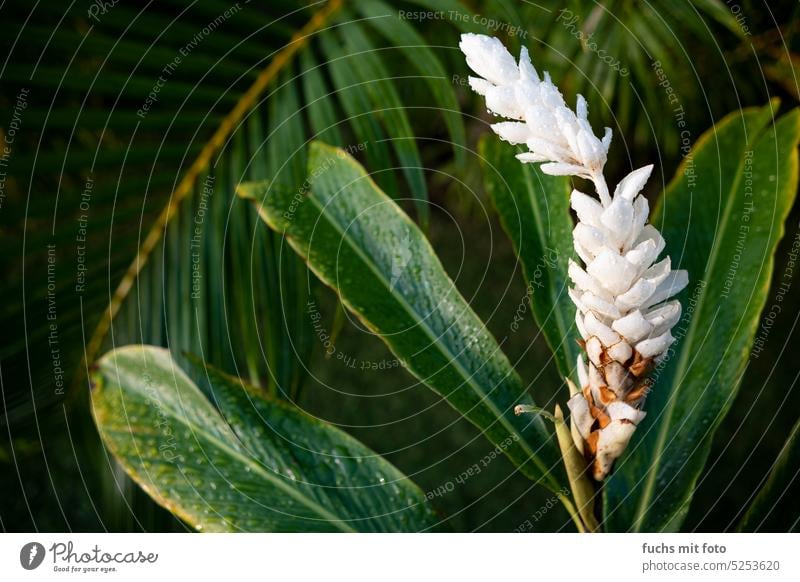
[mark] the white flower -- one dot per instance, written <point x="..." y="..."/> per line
<point x="622" y="291"/>
<point x="552" y="131"/>
<point x="623" y="316"/>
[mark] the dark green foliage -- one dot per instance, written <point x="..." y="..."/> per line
<point x="87" y="158"/>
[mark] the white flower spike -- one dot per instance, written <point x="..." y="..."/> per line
<point x="624" y="314"/>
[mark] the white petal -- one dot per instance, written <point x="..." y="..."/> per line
<point x="642" y="255"/>
<point x="590" y="238"/>
<point x="612" y="271"/>
<point x="672" y="284"/>
<point x="560" y="169"/>
<point x="579" y="409"/>
<point x="617" y="378"/>
<point x="664" y="317"/>
<point x="660" y="358"/>
<point x="623" y="411"/>
<point x="618" y="219"/>
<point x="583" y="124"/>
<point x="480" y="86"/>
<point x="489" y="58"/>
<point x="529" y="157"/>
<point x="658" y="272"/>
<point x="611" y="443"/>
<point x="587" y="208"/>
<point x="542" y="122"/>
<point x="633" y="326"/>
<point x="580" y="419"/>
<point x="641" y="210"/>
<point x="599" y="306"/>
<point x="568" y="126"/>
<point x="637" y="295"/>
<point x="549" y="93"/>
<point x="579" y="324"/>
<point x="652" y="347"/>
<point x="581" y="108"/>
<point x="606" y="141"/>
<point x="550" y="149"/>
<point x="650" y="232"/>
<point x="575" y="295"/>
<point x="584" y="254"/>
<point x="620" y="351"/>
<point x="526" y="92"/>
<point x="584" y="282"/>
<point x="526" y="68"/>
<point x="594" y="348"/>
<point x="591" y="150"/>
<point x="512" y="131"/>
<point x="633" y="183"/>
<point x="501" y="101"/>
<point x="595" y="380"/>
<point x="595" y="327"/>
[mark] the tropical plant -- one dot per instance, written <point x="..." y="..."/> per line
<point x="348" y="231"/>
<point x="120" y="148"/>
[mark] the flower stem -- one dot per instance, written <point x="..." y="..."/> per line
<point x="573" y="513"/>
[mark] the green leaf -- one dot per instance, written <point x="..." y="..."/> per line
<point x="354" y="100"/>
<point x="534" y="212"/>
<point x="321" y="114"/>
<point x="377" y="81"/>
<point x="775" y="507"/>
<point x="359" y="242"/>
<point x="405" y="37"/>
<point x="722" y="13"/>
<point x="722" y="217"/>
<point x="252" y="464"/>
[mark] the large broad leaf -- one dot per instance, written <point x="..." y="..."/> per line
<point x="249" y="464"/>
<point x="775" y="507"/>
<point x="722" y="217"/>
<point x="534" y="212"/>
<point x="358" y="241"/>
